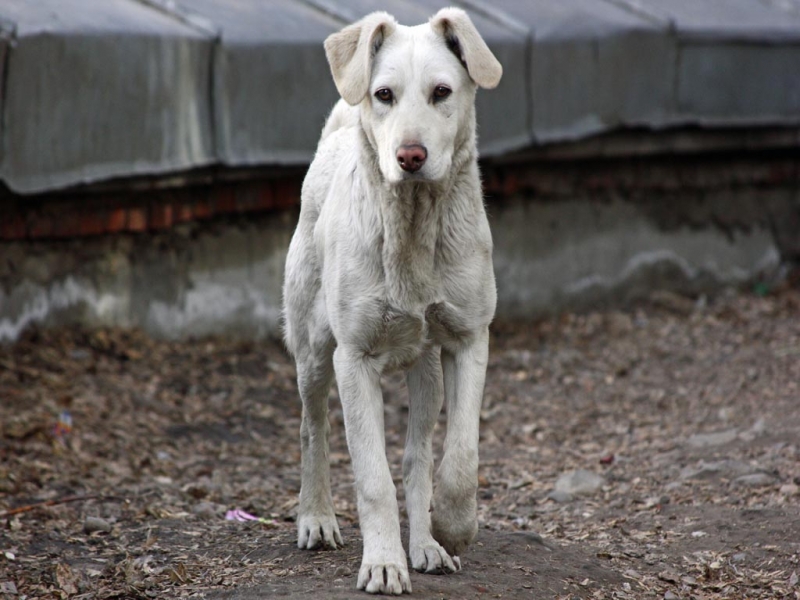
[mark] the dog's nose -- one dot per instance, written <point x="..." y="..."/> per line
<point x="411" y="157"/>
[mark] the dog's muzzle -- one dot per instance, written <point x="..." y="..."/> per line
<point x="411" y="157"/>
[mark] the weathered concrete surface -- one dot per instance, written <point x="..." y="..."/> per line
<point x="218" y="279"/>
<point x="551" y="254"/>
<point x="98" y="89"/>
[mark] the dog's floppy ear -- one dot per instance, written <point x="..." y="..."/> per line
<point x="350" y="53"/>
<point x="468" y="45"/>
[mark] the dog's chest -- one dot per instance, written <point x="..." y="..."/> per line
<point x="401" y="262"/>
<point x="418" y="276"/>
<point x="411" y="230"/>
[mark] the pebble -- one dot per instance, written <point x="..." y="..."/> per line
<point x="619" y="323"/>
<point x="560" y="496"/>
<point x="631" y="574"/>
<point x="755" y="480"/>
<point x="9" y="588"/>
<point x="579" y="482"/>
<point x="790" y="489"/>
<point x="712" y="470"/>
<point x="79" y="354"/>
<point x="755" y="431"/>
<point x="705" y="440"/>
<point x="670" y="595"/>
<point x="673" y="302"/>
<point x="206" y="510"/>
<point x="92" y="524"/>
<point x="342" y="571"/>
<point x="739" y="557"/>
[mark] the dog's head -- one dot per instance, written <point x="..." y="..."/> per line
<point x="415" y="86"/>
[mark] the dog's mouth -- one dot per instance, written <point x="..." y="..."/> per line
<point x="425" y="175"/>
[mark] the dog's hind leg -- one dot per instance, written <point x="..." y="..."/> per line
<point x="426" y="394"/>
<point x="316" y="523"/>
<point x="454" y="519"/>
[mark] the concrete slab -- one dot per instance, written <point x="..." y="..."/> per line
<point x="145" y="87"/>
<point x="91" y="93"/>
<point x="272" y="86"/>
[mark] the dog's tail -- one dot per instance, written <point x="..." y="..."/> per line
<point x="343" y="115"/>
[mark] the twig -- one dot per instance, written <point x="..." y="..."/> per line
<point x="64" y="500"/>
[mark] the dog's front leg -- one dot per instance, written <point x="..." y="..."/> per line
<point x="316" y="520"/>
<point x="426" y="394"/>
<point x="455" y="504"/>
<point x="383" y="566"/>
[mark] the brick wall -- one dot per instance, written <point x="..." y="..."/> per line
<point x="150" y="208"/>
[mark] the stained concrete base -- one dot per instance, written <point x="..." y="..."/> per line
<point x="225" y="277"/>
<point x="578" y="255"/>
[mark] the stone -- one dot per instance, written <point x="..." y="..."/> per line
<point x="673" y="302"/>
<point x="560" y="496"/>
<point x="8" y="588"/>
<point x="342" y="571"/>
<point x="580" y="482"/>
<point x="205" y="510"/>
<point x="714" y="470"/>
<point x="705" y="440"/>
<point x="790" y="489"/>
<point x="755" y="480"/>
<point x="93" y="524"/>
<point x="670" y="595"/>
<point x="619" y="323"/>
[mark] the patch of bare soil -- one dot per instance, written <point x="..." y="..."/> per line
<point x="120" y="457"/>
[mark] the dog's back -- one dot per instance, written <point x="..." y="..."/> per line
<point x="342" y="116"/>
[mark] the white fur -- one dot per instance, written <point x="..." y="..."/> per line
<point x="393" y="269"/>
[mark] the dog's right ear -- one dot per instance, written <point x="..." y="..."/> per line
<point x="351" y="51"/>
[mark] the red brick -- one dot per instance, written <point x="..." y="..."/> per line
<point x="40" y="225"/>
<point x="12" y="227"/>
<point x="161" y="216"/>
<point x="183" y="212"/>
<point x="89" y="222"/>
<point x="287" y="193"/>
<point x="225" y="201"/>
<point x="266" y="195"/>
<point x="203" y="209"/>
<point x="247" y="198"/>
<point x="116" y="220"/>
<point x="65" y="222"/>
<point x="137" y="219"/>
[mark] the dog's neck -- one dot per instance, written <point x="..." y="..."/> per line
<point x="411" y="217"/>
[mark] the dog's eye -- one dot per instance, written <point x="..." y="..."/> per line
<point x="441" y="92"/>
<point x="384" y="95"/>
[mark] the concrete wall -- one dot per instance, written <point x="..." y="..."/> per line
<point x="572" y="236"/>
<point x="195" y="280"/>
<point x="579" y="255"/>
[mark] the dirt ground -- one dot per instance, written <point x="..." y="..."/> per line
<point x="688" y="409"/>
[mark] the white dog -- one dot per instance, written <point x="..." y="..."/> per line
<point x="391" y="267"/>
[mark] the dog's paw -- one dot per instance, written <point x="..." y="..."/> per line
<point x="432" y="558"/>
<point x="314" y="531"/>
<point x="390" y="578"/>
<point x="454" y="522"/>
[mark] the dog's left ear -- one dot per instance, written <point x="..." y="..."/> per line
<point x="464" y="40"/>
<point x="351" y="51"/>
